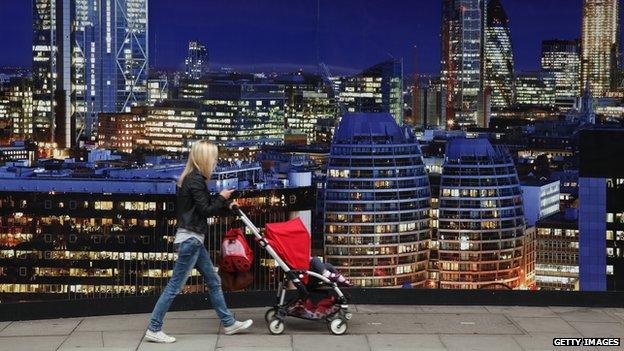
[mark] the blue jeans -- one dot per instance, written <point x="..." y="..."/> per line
<point x="191" y="253"/>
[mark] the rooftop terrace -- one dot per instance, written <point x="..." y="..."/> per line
<point x="373" y="327"/>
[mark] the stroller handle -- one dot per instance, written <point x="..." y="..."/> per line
<point x="237" y="210"/>
<point x="265" y="244"/>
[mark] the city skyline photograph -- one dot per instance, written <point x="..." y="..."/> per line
<point x="439" y="174"/>
<point x="257" y="35"/>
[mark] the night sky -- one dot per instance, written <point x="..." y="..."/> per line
<point x="347" y="35"/>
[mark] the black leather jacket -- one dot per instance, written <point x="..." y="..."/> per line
<point x="194" y="204"/>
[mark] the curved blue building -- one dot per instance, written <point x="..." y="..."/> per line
<point x="377" y="203"/>
<point x="481" y="219"/>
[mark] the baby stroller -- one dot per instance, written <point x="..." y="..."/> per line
<point x="320" y="299"/>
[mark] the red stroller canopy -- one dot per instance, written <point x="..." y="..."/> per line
<point x="291" y="241"/>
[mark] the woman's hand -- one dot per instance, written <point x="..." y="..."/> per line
<point x="227" y="193"/>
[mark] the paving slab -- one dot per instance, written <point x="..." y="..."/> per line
<point x="245" y="340"/>
<point x="4" y="325"/>
<point x="544" y="342"/>
<point x="115" y="323"/>
<point x="41" y="327"/>
<point x="454" y="309"/>
<point x="396" y="309"/>
<point x="536" y="325"/>
<point x="130" y="339"/>
<point x="80" y="339"/>
<point x="587" y="315"/>
<point x="480" y="343"/>
<point x="598" y="330"/>
<point x="467" y="323"/>
<point x="31" y="343"/>
<point x="374" y="323"/>
<point x="330" y="343"/>
<point x="522" y="311"/>
<point x="191" y="314"/>
<point x="618" y="313"/>
<point x="192" y="326"/>
<point x="191" y="342"/>
<point x="253" y="348"/>
<point x="392" y="342"/>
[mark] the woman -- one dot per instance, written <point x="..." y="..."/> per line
<point x="193" y="206"/>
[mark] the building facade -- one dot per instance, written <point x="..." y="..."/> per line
<point x="601" y="210"/>
<point x="88" y="57"/>
<point x="481" y="220"/>
<point x="562" y="59"/>
<point x="377" y="89"/>
<point x="72" y="238"/>
<point x="535" y="89"/>
<point x="16" y="109"/>
<point x="196" y="63"/>
<point x="462" y="42"/>
<point x="498" y="56"/>
<point x="540" y="199"/>
<point x="242" y="110"/>
<point x="377" y="202"/>
<point x="600" y="43"/>
<point x="172" y="125"/>
<point x="557" y="252"/>
<point x="307" y="100"/>
<point x="121" y="131"/>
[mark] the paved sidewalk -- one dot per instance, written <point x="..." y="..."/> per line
<point x="372" y="328"/>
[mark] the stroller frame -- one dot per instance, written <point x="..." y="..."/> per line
<point x="337" y="322"/>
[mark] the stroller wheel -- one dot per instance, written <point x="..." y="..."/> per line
<point x="337" y="326"/>
<point x="276" y="326"/>
<point x="270" y="314"/>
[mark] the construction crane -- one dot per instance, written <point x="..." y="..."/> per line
<point x="325" y="74"/>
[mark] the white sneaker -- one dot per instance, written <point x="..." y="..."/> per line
<point x="159" y="337"/>
<point x="237" y="327"/>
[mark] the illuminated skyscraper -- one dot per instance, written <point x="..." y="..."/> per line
<point x="377" y="202"/>
<point x="462" y="40"/>
<point x="498" y="56"/>
<point x="535" y="89"/>
<point x="561" y="58"/>
<point x="481" y="220"/>
<point x="196" y="62"/>
<point x="600" y="43"/>
<point x="88" y="57"/>
<point x="308" y="99"/>
<point x="377" y="89"/>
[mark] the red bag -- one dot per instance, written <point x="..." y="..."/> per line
<point x="236" y="256"/>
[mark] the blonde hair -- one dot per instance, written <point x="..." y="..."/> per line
<point x="202" y="157"/>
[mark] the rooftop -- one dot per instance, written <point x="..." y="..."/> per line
<point x="473" y="147"/>
<point x="373" y="327"/>
<point x="355" y="126"/>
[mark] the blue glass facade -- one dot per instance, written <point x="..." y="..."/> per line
<point x="592" y="226"/>
<point x="377" y="202"/>
<point x="88" y="57"/>
<point x="481" y="219"/>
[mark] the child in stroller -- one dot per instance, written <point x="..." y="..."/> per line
<point x="330" y="272"/>
<point x="318" y="296"/>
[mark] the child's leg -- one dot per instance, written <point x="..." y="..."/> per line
<point x="316" y="265"/>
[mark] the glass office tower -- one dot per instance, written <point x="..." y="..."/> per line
<point x="462" y="40"/>
<point x="88" y="57"/>
<point x="481" y="221"/>
<point x="601" y="209"/>
<point x="600" y="43"/>
<point x="196" y="63"/>
<point x="561" y="58"/>
<point x="377" y="202"/>
<point x="499" y="61"/>
<point x="377" y="89"/>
